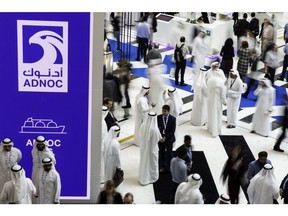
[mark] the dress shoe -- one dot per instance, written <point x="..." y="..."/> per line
<point x="230" y="126"/>
<point x="137" y="59"/>
<point x="118" y="50"/>
<point x="183" y="84"/>
<point x="278" y="149"/>
<point x="252" y="131"/>
<point x="176" y="83"/>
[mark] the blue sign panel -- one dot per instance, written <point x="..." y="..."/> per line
<point x="44" y="73"/>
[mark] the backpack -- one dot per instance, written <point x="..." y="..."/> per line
<point x="178" y="55"/>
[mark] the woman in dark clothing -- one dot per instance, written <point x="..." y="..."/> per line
<point x="110" y="195"/>
<point x="227" y="53"/>
<point x="235" y="169"/>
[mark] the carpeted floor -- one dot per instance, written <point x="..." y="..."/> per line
<point x="162" y="187"/>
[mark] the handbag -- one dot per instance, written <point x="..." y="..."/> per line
<point x="118" y="176"/>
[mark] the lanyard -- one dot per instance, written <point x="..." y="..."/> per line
<point x="165" y="122"/>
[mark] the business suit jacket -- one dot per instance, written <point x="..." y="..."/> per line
<point x="110" y="121"/>
<point x="170" y="128"/>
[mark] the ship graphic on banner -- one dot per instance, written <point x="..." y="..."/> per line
<point x="42" y="126"/>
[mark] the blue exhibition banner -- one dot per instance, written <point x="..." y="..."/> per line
<point x="44" y="73"/>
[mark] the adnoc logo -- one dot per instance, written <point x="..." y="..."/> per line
<point x="42" y="56"/>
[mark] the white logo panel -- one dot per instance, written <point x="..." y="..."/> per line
<point x="42" y="56"/>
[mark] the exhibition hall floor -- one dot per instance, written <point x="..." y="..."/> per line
<point x="213" y="148"/>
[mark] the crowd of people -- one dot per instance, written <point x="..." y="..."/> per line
<point x="15" y="188"/>
<point x="156" y="118"/>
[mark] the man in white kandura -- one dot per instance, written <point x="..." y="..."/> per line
<point x="215" y="70"/>
<point x="39" y="152"/>
<point x="189" y="192"/>
<point x="199" y="51"/>
<point x="157" y="82"/>
<point x="263" y="187"/>
<point x="174" y="101"/>
<point x="105" y="111"/>
<point x="216" y="90"/>
<point x="111" y="153"/>
<point x="9" y="156"/>
<point x="49" y="187"/>
<point x="199" y="109"/>
<point x="20" y="189"/>
<point x="264" y="106"/>
<point x="234" y="90"/>
<point x="149" y="138"/>
<point x="142" y="108"/>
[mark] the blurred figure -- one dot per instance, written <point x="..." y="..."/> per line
<point x="234" y="91"/>
<point x="19" y="189"/>
<point x="283" y="190"/>
<point x="128" y="198"/>
<point x="156" y="81"/>
<point x="143" y="37"/>
<point x="9" y="156"/>
<point x="263" y="187"/>
<point x="152" y="22"/>
<point x="189" y="192"/>
<point x="39" y="152"/>
<point x="283" y="134"/>
<point x="149" y="138"/>
<point x="227" y="53"/>
<point x="274" y="23"/>
<point x="242" y="27"/>
<point x="199" y="51"/>
<point x="271" y="62"/>
<point x="254" y="25"/>
<point x="284" y="74"/>
<point x="256" y="165"/>
<point x="235" y="170"/>
<point x="115" y="22"/>
<point x="264" y="106"/>
<point x="111" y="88"/>
<point x="266" y="34"/>
<point x="49" y="188"/>
<point x="243" y="61"/>
<point x="205" y="17"/>
<point x="109" y="195"/>
<point x="143" y="107"/>
<point x="199" y="109"/>
<point x="223" y="199"/>
<point x="285" y="36"/>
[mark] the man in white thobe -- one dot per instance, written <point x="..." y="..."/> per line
<point x="215" y="70"/>
<point x="49" y="187"/>
<point x="105" y="111"/>
<point x="263" y="187"/>
<point x="264" y="106"/>
<point x="199" y="109"/>
<point x="20" y="189"/>
<point x="189" y="192"/>
<point x="111" y="153"/>
<point x="9" y="156"/>
<point x="174" y="101"/>
<point x="142" y="108"/>
<point x="39" y="152"/>
<point x="234" y="90"/>
<point x="216" y="97"/>
<point x="199" y="51"/>
<point x="149" y="138"/>
<point x="157" y="83"/>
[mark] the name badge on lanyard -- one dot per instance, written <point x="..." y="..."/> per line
<point x="165" y="119"/>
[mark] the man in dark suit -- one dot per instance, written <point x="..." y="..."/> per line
<point x="167" y="126"/>
<point x="110" y="118"/>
